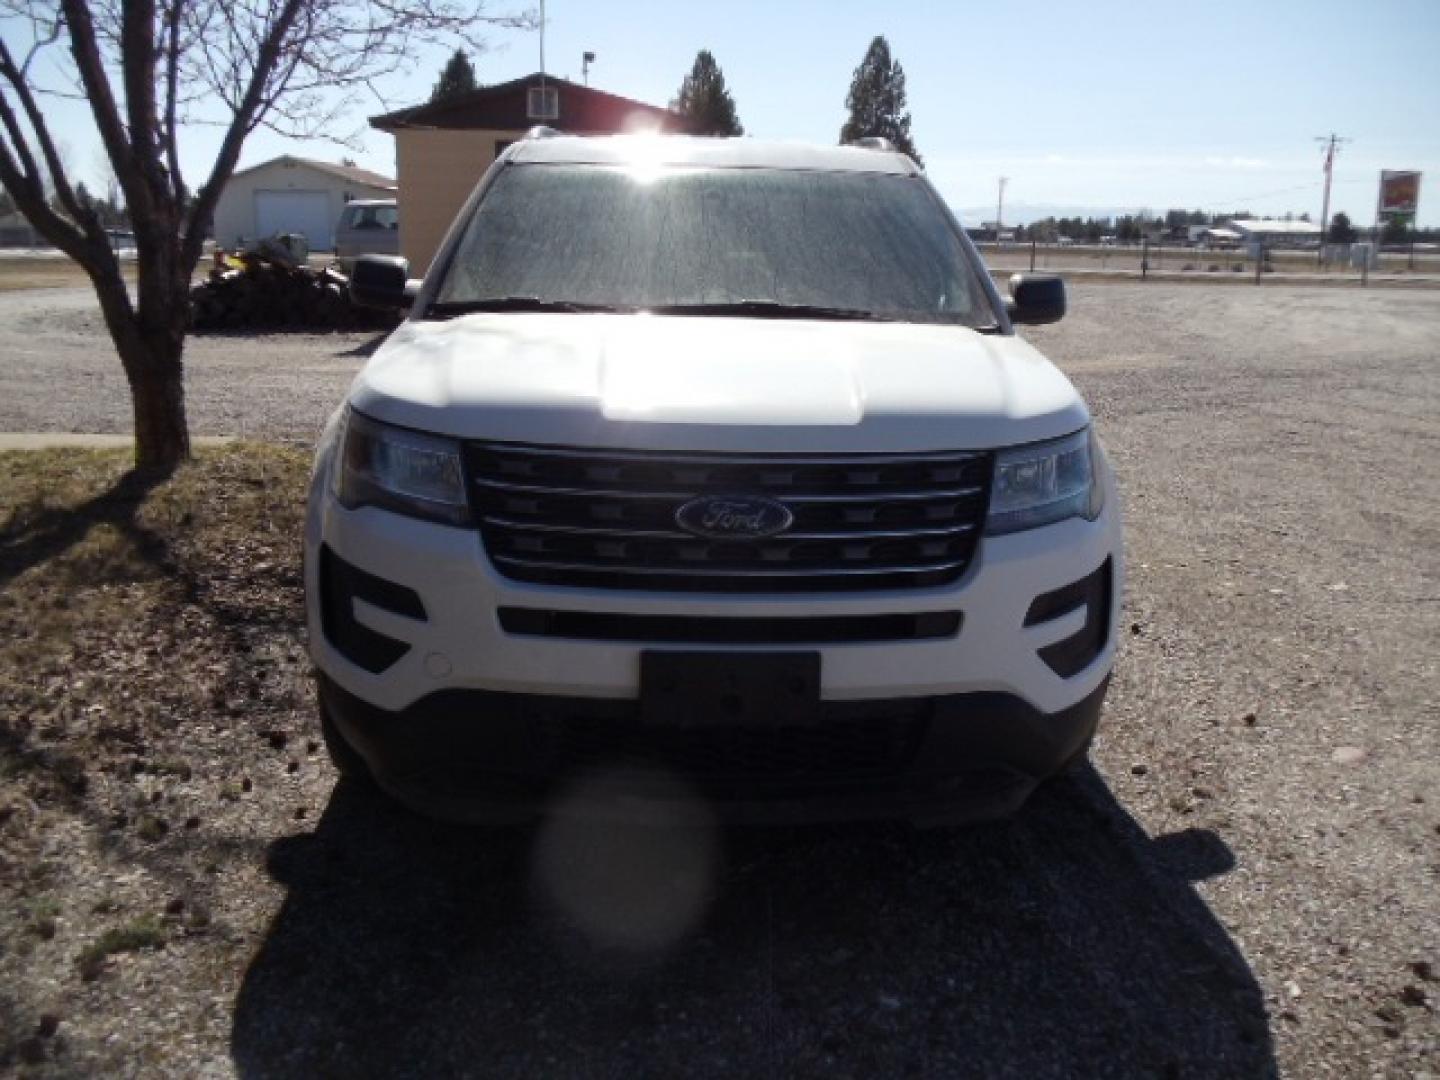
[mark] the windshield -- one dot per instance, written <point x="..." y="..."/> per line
<point x="384" y="216"/>
<point x="762" y="241"/>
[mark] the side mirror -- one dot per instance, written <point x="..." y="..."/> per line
<point x="382" y="281"/>
<point x="1036" y="298"/>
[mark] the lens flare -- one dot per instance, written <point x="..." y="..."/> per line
<point x="629" y="874"/>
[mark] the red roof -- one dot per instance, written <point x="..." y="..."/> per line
<point x="504" y="107"/>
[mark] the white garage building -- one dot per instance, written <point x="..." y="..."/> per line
<point x="293" y="195"/>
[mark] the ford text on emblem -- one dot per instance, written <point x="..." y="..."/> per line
<point x="737" y="517"/>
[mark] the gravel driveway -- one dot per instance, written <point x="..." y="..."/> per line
<point x="1248" y="881"/>
<point x="58" y="372"/>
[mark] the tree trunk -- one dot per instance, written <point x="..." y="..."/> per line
<point x="150" y="338"/>
<point x="157" y="391"/>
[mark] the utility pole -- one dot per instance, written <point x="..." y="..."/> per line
<point x="586" y="61"/>
<point x="1332" y="144"/>
<point x="1000" y="210"/>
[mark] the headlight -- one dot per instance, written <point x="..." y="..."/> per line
<point x="1046" y="482"/>
<point x="408" y="472"/>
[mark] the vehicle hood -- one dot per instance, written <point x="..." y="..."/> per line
<point x="706" y="383"/>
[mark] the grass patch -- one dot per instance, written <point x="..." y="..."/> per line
<point x="28" y="272"/>
<point x="109" y="578"/>
<point x="143" y="621"/>
<point x="89" y="544"/>
<point x="143" y="933"/>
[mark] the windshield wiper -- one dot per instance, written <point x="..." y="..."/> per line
<point x="768" y="309"/>
<point x="449" y="309"/>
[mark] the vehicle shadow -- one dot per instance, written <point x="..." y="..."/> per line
<point x="1062" y="943"/>
<point x="367" y="348"/>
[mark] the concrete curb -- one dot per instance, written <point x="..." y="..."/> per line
<point x="50" y="440"/>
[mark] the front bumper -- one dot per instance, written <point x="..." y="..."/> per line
<point x="491" y="757"/>
<point x="460" y="644"/>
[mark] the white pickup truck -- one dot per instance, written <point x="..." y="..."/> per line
<point x="714" y="465"/>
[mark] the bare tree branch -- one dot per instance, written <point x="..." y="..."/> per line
<point x="137" y="61"/>
<point x="266" y="59"/>
<point x="27" y="188"/>
<point x="43" y="40"/>
<point x="27" y="171"/>
<point x="172" y="93"/>
<point x="16" y="78"/>
<point x="91" y="68"/>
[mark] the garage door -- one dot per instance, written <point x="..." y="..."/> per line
<point x="306" y="212"/>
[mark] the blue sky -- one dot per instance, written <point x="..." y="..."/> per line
<point x="1102" y="103"/>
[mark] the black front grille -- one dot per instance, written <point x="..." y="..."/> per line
<point x="606" y="518"/>
<point x="729" y="630"/>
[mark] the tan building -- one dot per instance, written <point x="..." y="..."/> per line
<point x="442" y="149"/>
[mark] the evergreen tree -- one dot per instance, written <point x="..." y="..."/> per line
<point x="877" y="101"/>
<point x="457" y="78"/>
<point x="1341" y="231"/>
<point x="705" y="102"/>
<point x="85" y="200"/>
<point x="1396" y="230"/>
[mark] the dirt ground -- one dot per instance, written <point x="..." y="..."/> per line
<point x="1247" y="882"/>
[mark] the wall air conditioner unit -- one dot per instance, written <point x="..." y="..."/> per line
<point x="543" y="103"/>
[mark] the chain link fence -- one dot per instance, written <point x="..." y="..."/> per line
<point x="1337" y="263"/>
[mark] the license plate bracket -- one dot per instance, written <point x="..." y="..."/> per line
<point x="729" y="689"/>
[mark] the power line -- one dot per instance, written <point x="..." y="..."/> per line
<point x="1237" y="200"/>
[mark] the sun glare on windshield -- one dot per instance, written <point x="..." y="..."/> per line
<point x="645" y="156"/>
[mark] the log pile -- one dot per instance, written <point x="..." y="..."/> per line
<point x="268" y="289"/>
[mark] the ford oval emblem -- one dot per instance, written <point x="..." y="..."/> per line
<point x="734" y="517"/>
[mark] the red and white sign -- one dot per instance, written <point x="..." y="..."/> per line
<point x="1399" y="192"/>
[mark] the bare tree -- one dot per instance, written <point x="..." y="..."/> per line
<point x="149" y="67"/>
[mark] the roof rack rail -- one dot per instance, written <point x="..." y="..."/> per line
<point x="543" y="131"/>
<point x="873" y="142"/>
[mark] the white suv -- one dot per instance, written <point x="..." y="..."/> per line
<point x="716" y="467"/>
